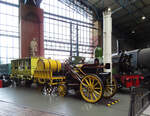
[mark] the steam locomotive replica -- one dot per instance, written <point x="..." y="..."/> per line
<point x="88" y="79"/>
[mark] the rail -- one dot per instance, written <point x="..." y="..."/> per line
<point x="140" y="100"/>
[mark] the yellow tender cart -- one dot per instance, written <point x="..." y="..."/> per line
<point x="24" y="68"/>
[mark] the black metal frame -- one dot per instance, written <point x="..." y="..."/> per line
<point x="140" y="100"/>
<point x="76" y="27"/>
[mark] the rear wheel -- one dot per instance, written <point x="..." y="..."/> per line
<point x="110" y="88"/>
<point x="91" y="88"/>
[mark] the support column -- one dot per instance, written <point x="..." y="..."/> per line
<point x="107" y="39"/>
<point x="71" y="40"/>
<point x="77" y="41"/>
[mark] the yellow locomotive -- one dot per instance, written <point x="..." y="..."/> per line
<point x="88" y="79"/>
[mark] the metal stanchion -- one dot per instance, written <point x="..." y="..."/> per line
<point x="132" y="101"/>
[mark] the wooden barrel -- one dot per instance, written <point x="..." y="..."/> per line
<point x="49" y="65"/>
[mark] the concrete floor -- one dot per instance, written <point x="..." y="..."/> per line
<point x="146" y="112"/>
<point x="10" y="109"/>
<point x="67" y="106"/>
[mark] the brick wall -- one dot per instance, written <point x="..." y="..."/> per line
<point x="31" y="27"/>
<point x="97" y="34"/>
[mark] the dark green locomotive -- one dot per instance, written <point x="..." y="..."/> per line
<point x="5" y="70"/>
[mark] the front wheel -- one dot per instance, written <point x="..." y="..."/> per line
<point x="91" y="88"/>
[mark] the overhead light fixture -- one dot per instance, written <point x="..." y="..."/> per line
<point x="109" y="9"/>
<point x="143" y="17"/>
<point x="133" y="31"/>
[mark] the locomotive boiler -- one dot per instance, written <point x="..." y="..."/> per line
<point x="137" y="59"/>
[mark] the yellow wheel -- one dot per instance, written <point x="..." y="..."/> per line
<point x="62" y="90"/>
<point x="110" y="88"/>
<point x="91" y="88"/>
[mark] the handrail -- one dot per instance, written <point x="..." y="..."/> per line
<point x="140" y="100"/>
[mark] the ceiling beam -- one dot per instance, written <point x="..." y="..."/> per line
<point x="98" y="1"/>
<point x="133" y="24"/>
<point x="129" y="12"/>
<point x="141" y="10"/>
<point x="138" y="9"/>
<point x="38" y="2"/>
<point x="68" y="2"/>
<point x="32" y="2"/>
<point x="88" y="4"/>
<point x="128" y="29"/>
<point x="137" y="26"/>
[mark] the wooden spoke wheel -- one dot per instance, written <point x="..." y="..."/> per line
<point x="91" y="88"/>
<point x="110" y="88"/>
<point x="62" y="90"/>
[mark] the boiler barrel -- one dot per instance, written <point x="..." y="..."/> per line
<point x="143" y="59"/>
<point x="48" y="65"/>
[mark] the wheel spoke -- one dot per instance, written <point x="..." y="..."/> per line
<point x="91" y="95"/>
<point x="93" y="82"/>
<point x="90" y="81"/>
<point x="96" y="92"/>
<point x="95" y="96"/>
<point x="106" y="93"/>
<point x="110" y="92"/>
<point x="87" y="81"/>
<point x="84" y="84"/>
<point x="96" y="84"/>
<point x="110" y="89"/>
<point x="88" y="94"/>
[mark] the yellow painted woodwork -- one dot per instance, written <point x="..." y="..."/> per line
<point x="24" y="68"/>
<point x="45" y="69"/>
